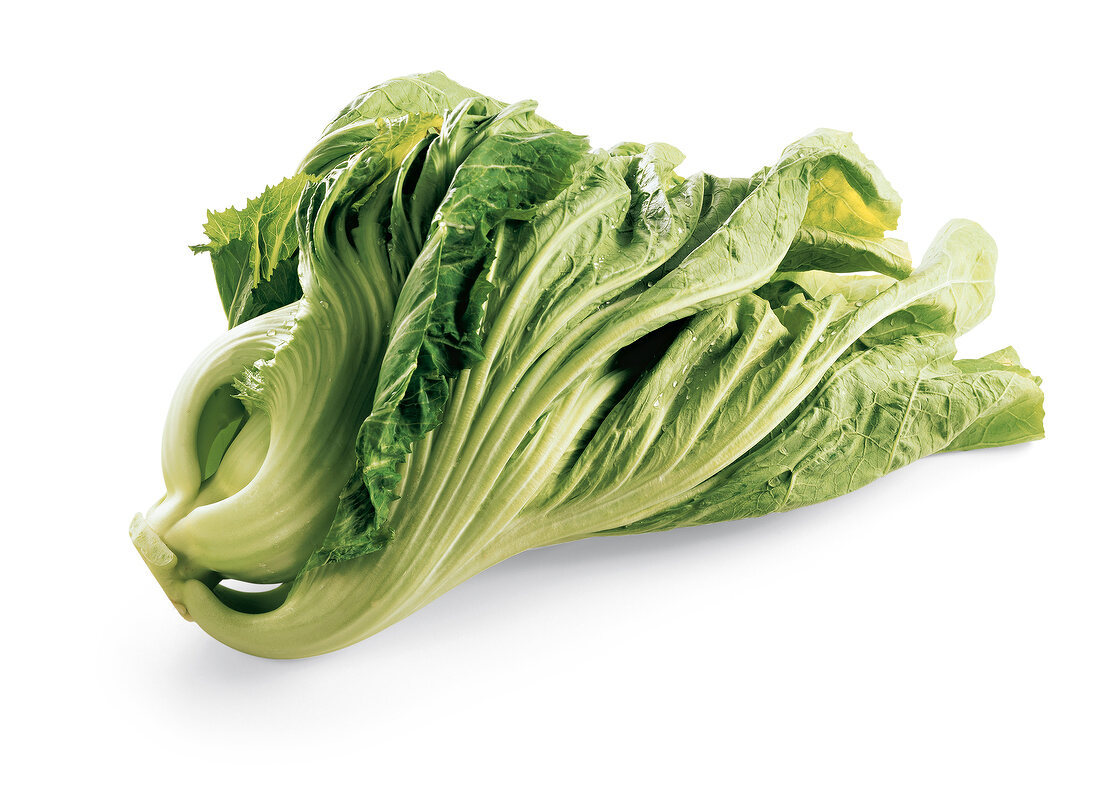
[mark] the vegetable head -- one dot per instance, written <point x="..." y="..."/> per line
<point x="459" y="332"/>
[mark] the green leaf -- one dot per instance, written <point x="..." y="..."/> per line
<point x="1014" y="408"/>
<point x="673" y="406"/>
<point x="850" y="208"/>
<point x="721" y="196"/>
<point x="465" y="126"/>
<point x="826" y="250"/>
<point x="855" y="289"/>
<point x="875" y="411"/>
<point x="254" y="251"/>
<point x="736" y="372"/>
<point x="435" y="329"/>
<point x="603" y="239"/>
<point x="966" y="296"/>
<point x="431" y="94"/>
<point x="740" y="255"/>
<point x="426" y="93"/>
<point x="744" y="253"/>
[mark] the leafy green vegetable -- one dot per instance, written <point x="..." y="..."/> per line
<point x="458" y="332"/>
<point x="255" y="252"/>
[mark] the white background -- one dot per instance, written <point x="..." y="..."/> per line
<point x="934" y="633"/>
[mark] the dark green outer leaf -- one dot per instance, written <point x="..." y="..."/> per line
<point x="429" y="92"/>
<point x="255" y="251"/>
<point x="435" y="331"/>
